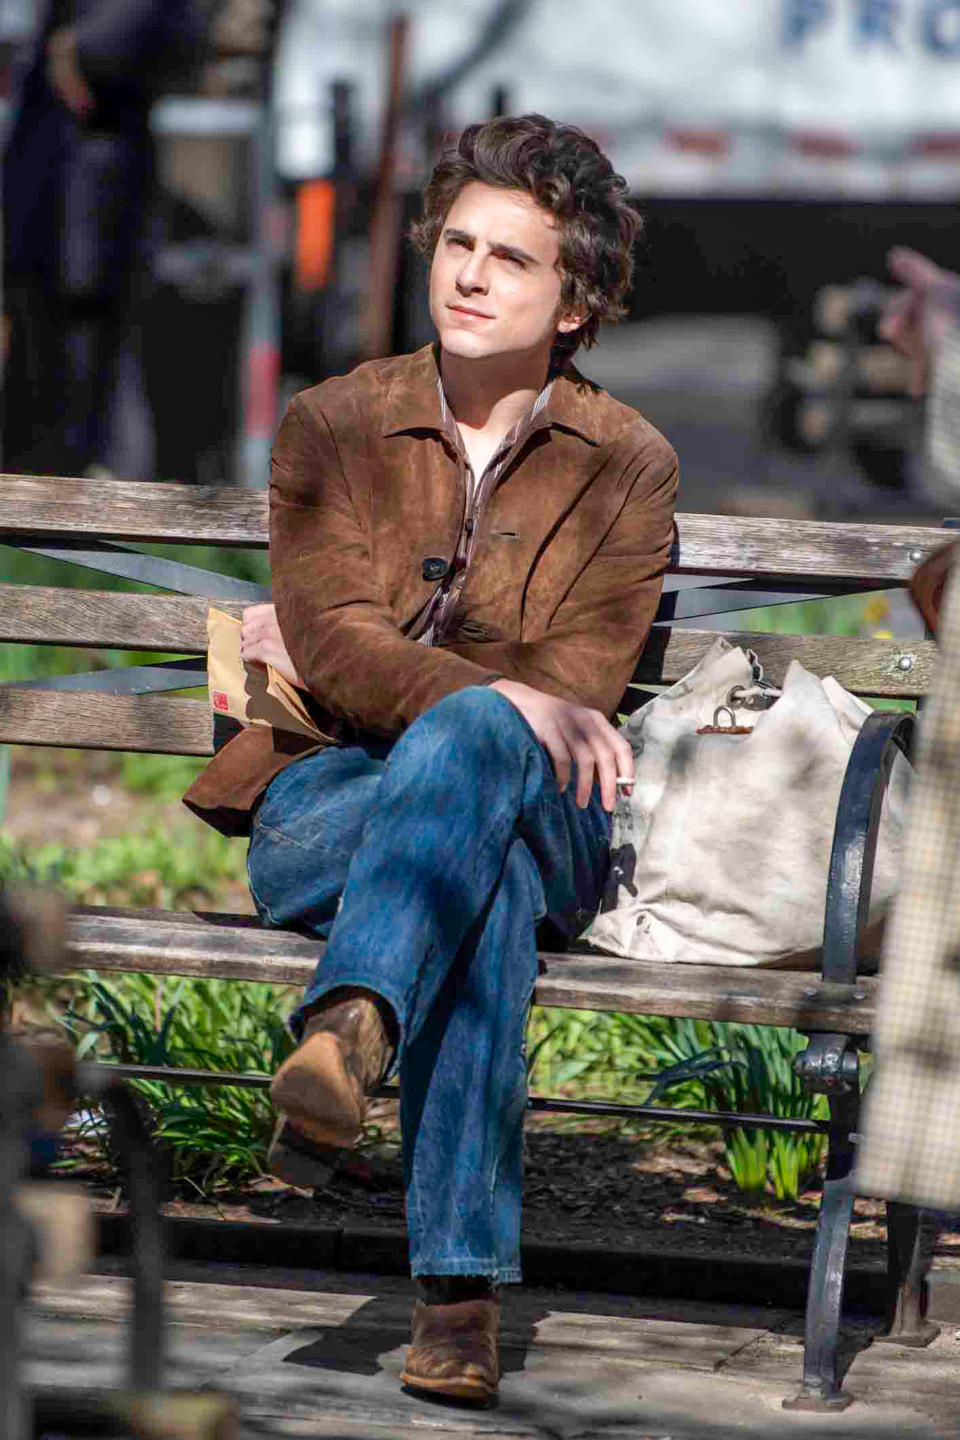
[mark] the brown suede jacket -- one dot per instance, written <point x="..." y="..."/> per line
<point x="365" y="486"/>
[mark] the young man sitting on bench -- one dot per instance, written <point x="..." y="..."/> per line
<point x="467" y="547"/>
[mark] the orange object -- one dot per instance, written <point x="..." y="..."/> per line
<point x="263" y="377"/>
<point x="316" y="213"/>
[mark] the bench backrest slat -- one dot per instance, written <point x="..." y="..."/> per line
<point x="44" y="615"/>
<point x="160" y="724"/>
<point x="715" y="544"/>
<point x="822" y="549"/>
<point x="181" y="726"/>
<point x="867" y="667"/>
<point x="133" y="510"/>
<point x="858" y="556"/>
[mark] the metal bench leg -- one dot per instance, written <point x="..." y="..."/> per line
<point x="910" y="1239"/>
<point x="819" y="1389"/>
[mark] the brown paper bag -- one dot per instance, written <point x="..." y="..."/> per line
<point x="252" y="694"/>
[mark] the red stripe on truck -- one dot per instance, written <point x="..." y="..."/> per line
<point x="823" y="144"/>
<point x="700" y="142"/>
<point x="946" y="144"/>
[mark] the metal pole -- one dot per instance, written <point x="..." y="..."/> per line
<point x="260" y="348"/>
<point x="338" y="348"/>
<point x="377" y="322"/>
<point x="15" y="1097"/>
<point x="723" y="1119"/>
<point x="140" y="1161"/>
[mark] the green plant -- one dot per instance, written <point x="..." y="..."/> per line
<point x="591" y="1053"/>
<point x="161" y="777"/>
<point x="834" y="615"/>
<point x="756" y="1078"/>
<point x="704" y="1065"/>
<point x="153" y="869"/>
<point x="214" y="1137"/>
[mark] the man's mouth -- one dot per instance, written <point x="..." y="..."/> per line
<point x="466" y="310"/>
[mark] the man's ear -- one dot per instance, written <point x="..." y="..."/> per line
<point x="571" y="320"/>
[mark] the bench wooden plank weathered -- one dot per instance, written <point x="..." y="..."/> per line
<point x="203" y="515"/>
<point x="232" y="947"/>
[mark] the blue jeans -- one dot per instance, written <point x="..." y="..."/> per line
<point x="428" y="865"/>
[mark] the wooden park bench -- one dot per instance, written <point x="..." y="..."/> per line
<point x="721" y="564"/>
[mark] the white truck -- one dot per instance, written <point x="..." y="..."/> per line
<point x="834" y="98"/>
<point x="777" y="148"/>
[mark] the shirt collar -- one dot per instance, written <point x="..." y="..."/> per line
<point x="414" y="400"/>
<point x="514" y="436"/>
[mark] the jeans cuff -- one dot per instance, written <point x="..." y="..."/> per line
<point x="487" y="1267"/>
<point x="297" y="1018"/>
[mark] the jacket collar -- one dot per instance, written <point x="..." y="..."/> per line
<point x="412" y="400"/>
<point x="572" y="406"/>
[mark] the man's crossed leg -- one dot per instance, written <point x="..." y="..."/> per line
<point x="428" y="865"/>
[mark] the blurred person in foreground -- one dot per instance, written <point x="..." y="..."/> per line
<point x="467" y="546"/>
<point x="77" y="179"/>
<point x="911" y="1146"/>
<point x="923" y="322"/>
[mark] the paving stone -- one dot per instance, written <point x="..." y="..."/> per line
<point x="239" y="1307"/>
<point x="326" y="1363"/>
<point x="92" y="1355"/>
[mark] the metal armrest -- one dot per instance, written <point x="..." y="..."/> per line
<point x="850" y="881"/>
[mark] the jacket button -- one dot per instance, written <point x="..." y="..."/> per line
<point x="434" y="567"/>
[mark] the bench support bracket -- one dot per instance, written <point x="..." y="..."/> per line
<point x="829" y="1065"/>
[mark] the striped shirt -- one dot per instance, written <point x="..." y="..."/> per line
<point x="436" y="621"/>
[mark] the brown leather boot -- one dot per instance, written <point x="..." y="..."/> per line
<point x="455" y="1350"/>
<point x="321" y="1089"/>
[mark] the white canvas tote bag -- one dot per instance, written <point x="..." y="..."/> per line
<point x="721" y="854"/>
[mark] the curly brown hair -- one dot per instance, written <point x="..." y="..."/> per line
<point x="567" y="174"/>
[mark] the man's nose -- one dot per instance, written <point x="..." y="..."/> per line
<point x="472" y="275"/>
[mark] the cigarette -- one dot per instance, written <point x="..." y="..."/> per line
<point x="626" y="780"/>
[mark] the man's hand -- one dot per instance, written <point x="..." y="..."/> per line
<point x="262" y="644"/>
<point x="573" y="734"/>
<point x="64" y="73"/>
<point x="917" y="319"/>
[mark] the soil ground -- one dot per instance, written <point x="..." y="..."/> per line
<point x="610" y="1190"/>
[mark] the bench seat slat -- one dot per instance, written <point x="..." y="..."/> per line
<point x="237" y="948"/>
<point x="733" y="544"/>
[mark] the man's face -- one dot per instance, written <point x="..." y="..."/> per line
<point x="494" y="281"/>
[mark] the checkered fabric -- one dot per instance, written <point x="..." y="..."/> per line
<point x="911" y="1145"/>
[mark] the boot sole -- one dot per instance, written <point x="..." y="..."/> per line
<point x="475" y="1390"/>
<point x="293" y="1158"/>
